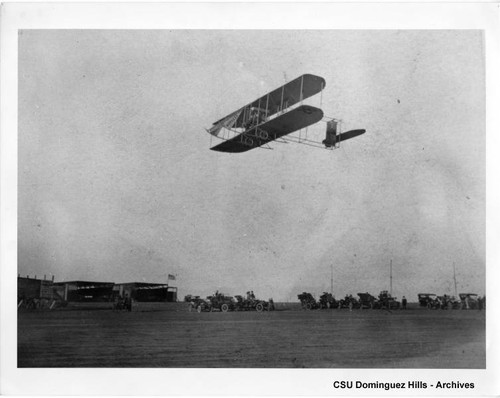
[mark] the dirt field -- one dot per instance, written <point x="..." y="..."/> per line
<point x="311" y="339"/>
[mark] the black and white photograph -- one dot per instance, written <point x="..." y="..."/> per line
<point x="257" y="199"/>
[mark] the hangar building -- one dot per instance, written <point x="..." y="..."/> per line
<point x="142" y="291"/>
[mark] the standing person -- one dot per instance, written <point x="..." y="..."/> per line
<point x="119" y="302"/>
<point x="351" y="302"/>
<point x="128" y="303"/>
<point x="403" y="302"/>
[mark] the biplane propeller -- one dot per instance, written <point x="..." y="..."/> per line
<point x="276" y="115"/>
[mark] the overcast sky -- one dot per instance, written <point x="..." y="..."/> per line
<point x="117" y="182"/>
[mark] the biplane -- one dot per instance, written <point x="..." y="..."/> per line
<point x="275" y="116"/>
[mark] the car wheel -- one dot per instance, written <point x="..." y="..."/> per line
<point x="259" y="307"/>
<point x="224" y="308"/>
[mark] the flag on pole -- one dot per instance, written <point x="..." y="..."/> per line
<point x="171" y="277"/>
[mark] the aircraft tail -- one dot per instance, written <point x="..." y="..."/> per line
<point x="332" y="138"/>
<point x="350" y="134"/>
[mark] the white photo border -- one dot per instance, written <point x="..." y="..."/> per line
<point x="206" y="15"/>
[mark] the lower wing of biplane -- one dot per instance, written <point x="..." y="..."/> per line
<point x="272" y="130"/>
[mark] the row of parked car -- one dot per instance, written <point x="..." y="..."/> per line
<point x="385" y="300"/>
<point x="221" y="302"/>
<point x="464" y="301"/>
<point x="365" y="301"/>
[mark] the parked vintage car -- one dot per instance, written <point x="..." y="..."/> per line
<point x="198" y="304"/>
<point x="387" y="301"/>
<point x="469" y="301"/>
<point x="446" y="302"/>
<point x="307" y="301"/>
<point x="366" y="300"/>
<point x="427" y="299"/>
<point x="326" y="301"/>
<point x="348" y="302"/>
<point x="252" y="304"/>
<point x="221" y="302"/>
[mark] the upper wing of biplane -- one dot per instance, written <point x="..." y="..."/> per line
<point x="273" y="102"/>
<point x="273" y="129"/>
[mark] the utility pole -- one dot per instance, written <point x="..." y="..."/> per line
<point x="331" y="280"/>
<point x="455" y="279"/>
<point x="391" y="278"/>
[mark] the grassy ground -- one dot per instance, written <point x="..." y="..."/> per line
<point x="150" y="337"/>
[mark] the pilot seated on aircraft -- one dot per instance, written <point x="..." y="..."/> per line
<point x="256" y="117"/>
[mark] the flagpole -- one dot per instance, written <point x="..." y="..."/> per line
<point x="331" y="279"/>
<point x="455" y="279"/>
<point x="391" y="278"/>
